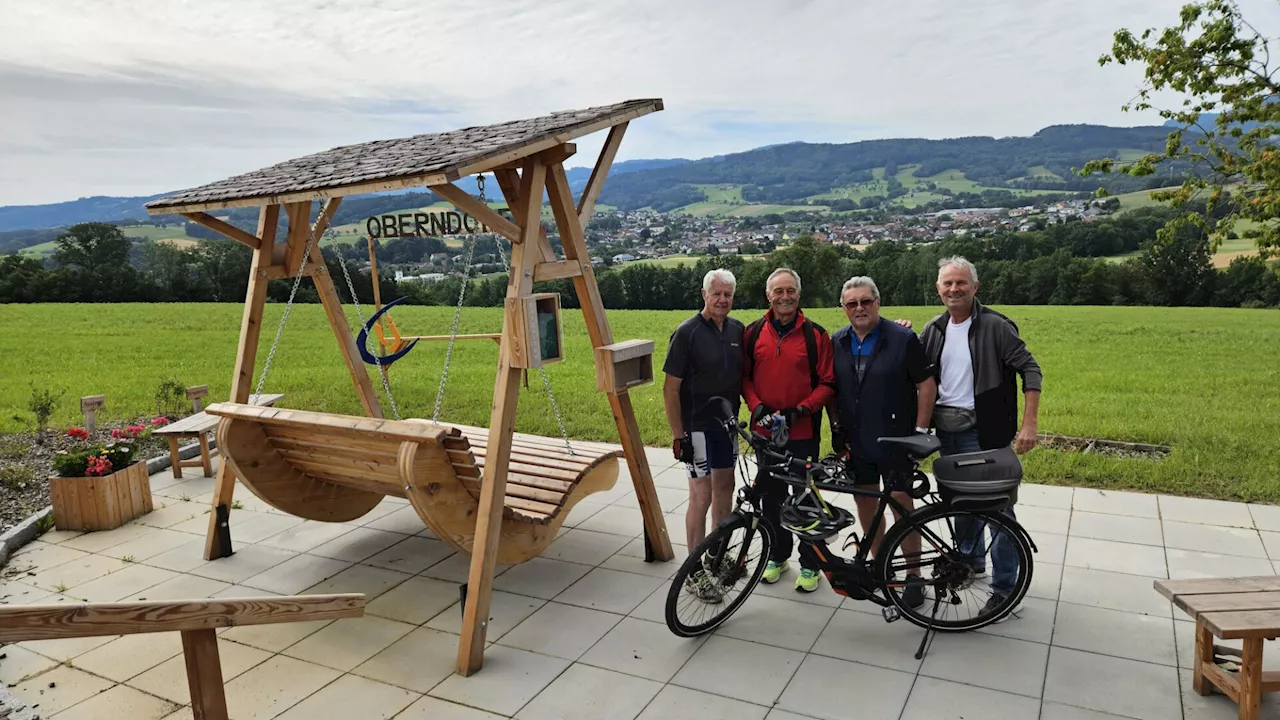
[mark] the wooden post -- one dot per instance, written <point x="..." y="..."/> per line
<point x="242" y="377"/>
<point x="1251" y="679"/>
<point x="506" y="393"/>
<point x="90" y="405"/>
<point x="575" y="248"/>
<point x="1203" y="655"/>
<point x="195" y="395"/>
<point x="338" y="321"/>
<point x="204" y="674"/>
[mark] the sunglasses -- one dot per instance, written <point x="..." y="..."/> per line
<point x="865" y="302"/>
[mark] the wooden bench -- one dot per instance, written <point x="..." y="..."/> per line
<point x="197" y="620"/>
<point x="199" y="425"/>
<point x="336" y="468"/>
<point x="1247" y="609"/>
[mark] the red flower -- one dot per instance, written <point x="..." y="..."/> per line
<point x="78" y="433"/>
<point x="160" y="421"/>
<point x="117" y="433"/>
<point x="97" y="465"/>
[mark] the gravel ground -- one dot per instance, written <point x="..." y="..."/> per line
<point x="25" y="466"/>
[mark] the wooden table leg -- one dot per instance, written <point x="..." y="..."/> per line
<point x="1204" y="654"/>
<point x="1251" y="679"/>
<point x="204" y="455"/>
<point x="174" y="460"/>
<point x="204" y="674"/>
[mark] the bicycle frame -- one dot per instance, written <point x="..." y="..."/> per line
<point x="839" y="570"/>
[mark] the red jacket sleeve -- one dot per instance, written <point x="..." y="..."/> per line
<point x="826" y="389"/>
<point x="748" y="385"/>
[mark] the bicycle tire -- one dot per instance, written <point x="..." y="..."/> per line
<point x="921" y="518"/>
<point x="753" y="524"/>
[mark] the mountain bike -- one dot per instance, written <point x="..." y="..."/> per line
<point x="947" y="570"/>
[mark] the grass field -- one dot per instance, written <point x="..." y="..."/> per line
<point x="1201" y="380"/>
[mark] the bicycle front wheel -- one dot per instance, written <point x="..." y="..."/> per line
<point x="971" y="568"/>
<point x="718" y="575"/>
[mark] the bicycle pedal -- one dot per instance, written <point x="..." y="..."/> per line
<point x="890" y="614"/>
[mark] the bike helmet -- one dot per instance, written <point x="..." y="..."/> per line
<point x="810" y="518"/>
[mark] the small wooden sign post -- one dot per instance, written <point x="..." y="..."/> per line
<point x="90" y="405"/>
<point x="194" y="394"/>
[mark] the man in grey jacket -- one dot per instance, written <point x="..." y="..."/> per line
<point x="977" y="357"/>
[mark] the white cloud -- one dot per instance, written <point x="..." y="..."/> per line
<point x="116" y="97"/>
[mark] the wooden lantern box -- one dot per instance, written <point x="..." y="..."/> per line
<point x="536" y="337"/>
<point x="624" y="365"/>
<point x="101" y="503"/>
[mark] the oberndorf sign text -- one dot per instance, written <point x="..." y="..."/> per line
<point x="421" y="224"/>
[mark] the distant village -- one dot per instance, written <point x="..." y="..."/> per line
<point x="618" y="237"/>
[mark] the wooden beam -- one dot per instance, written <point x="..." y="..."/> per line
<point x="509" y="182"/>
<point x="575" y="249"/>
<point x="77" y="620"/>
<point x="281" y="272"/>
<point x="342" y="331"/>
<point x="204" y="674"/>
<point x="506" y="393"/>
<point x="473" y="207"/>
<point x="558" y="154"/>
<point x="242" y="376"/>
<point x="496" y="337"/>
<point x="587" y="204"/>
<point x="224" y="228"/>
<point x="556" y="270"/>
<point x="299" y="227"/>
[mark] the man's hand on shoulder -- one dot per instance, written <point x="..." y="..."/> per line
<point x="903" y="322"/>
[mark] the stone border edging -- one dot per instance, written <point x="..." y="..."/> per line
<point x="29" y="529"/>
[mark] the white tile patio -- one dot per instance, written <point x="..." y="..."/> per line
<point x="580" y="632"/>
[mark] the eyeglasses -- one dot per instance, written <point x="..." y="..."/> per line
<point x="865" y="302"/>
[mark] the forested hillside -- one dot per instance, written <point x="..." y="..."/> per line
<point x="781" y="173"/>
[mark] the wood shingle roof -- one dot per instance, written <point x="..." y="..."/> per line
<point x="429" y="159"/>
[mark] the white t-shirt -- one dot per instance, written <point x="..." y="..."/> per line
<point x="956" y="388"/>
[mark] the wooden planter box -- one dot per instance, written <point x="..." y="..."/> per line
<point x="100" y="503"/>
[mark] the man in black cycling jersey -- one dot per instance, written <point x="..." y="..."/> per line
<point x="704" y="360"/>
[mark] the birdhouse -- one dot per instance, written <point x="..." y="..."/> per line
<point x="624" y="365"/>
<point x="536" y="336"/>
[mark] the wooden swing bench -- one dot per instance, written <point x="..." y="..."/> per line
<point x="336" y="468"/>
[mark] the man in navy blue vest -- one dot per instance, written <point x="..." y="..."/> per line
<point x="884" y="387"/>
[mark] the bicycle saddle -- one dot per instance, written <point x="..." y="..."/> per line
<point x="918" y="446"/>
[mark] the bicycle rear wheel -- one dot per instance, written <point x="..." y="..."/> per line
<point x="718" y="575"/>
<point x="951" y="549"/>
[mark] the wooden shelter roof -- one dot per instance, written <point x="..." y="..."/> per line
<point x="430" y="159"/>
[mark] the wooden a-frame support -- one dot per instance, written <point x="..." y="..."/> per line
<point x="531" y="260"/>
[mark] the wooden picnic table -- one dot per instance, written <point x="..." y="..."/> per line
<point x="1245" y="608"/>
<point x="199" y="425"/>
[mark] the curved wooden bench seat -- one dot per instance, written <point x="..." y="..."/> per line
<point x="336" y="468"/>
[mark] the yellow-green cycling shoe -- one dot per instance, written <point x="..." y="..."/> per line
<point x="773" y="571"/>
<point x="808" y="580"/>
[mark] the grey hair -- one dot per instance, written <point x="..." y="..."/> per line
<point x="957" y="261"/>
<point x="780" y="271"/>
<point x="720" y="274"/>
<point x="860" y="281"/>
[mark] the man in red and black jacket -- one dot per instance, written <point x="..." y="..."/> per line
<point x="788" y="369"/>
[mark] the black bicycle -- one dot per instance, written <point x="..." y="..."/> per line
<point x="930" y="567"/>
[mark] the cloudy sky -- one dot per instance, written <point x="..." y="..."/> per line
<point x="115" y="97"/>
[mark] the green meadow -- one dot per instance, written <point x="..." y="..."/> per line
<point x="1201" y="380"/>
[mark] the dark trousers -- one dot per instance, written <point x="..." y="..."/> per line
<point x="776" y="492"/>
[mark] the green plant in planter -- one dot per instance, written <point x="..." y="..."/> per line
<point x="94" y="459"/>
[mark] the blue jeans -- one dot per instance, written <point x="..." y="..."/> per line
<point x="1004" y="557"/>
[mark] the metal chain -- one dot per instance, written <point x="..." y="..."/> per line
<point x="546" y="382"/>
<point x="457" y="315"/>
<point x="377" y="359"/>
<point x="284" y="317"/>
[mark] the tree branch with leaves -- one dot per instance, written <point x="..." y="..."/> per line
<point x="1221" y="66"/>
